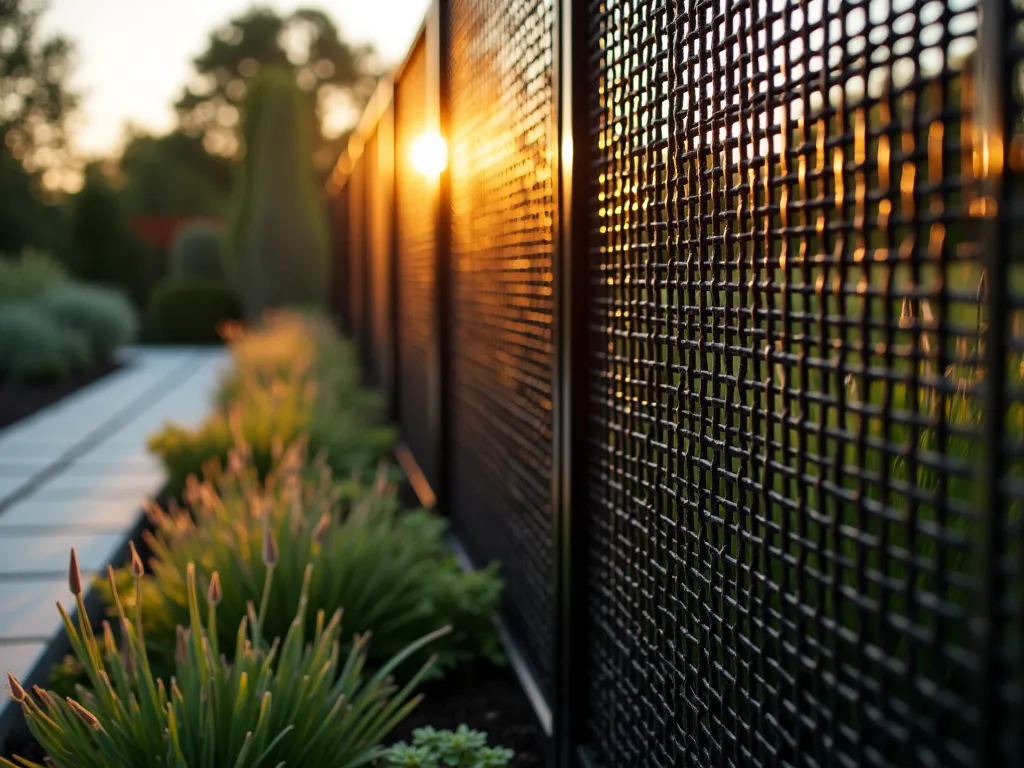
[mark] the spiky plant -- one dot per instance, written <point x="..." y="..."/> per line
<point x="389" y="570"/>
<point x="288" y="702"/>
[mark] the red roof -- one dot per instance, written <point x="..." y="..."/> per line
<point x="158" y="230"/>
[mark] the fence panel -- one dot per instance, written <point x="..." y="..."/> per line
<point x="502" y="192"/>
<point x="803" y="523"/>
<point x="379" y="159"/>
<point x="786" y="385"/>
<point x="1000" y="96"/>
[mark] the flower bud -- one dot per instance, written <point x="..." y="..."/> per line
<point x="17" y="692"/>
<point x="214" y="593"/>
<point x="84" y="714"/>
<point x="74" y="575"/>
<point x="269" y="547"/>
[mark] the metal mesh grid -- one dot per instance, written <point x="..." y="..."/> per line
<point x="785" y="384"/>
<point x="1009" y="499"/>
<point x="417" y="225"/>
<point x="502" y="205"/>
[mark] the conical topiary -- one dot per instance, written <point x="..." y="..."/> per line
<point x="278" y="238"/>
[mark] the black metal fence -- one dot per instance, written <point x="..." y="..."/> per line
<point x="712" y="331"/>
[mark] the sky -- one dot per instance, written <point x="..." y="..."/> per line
<point x="133" y="57"/>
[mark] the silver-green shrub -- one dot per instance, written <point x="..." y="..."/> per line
<point x="103" y="315"/>
<point x="32" y="347"/>
<point x="29" y="275"/>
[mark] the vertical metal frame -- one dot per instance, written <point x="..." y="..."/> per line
<point x="438" y="57"/>
<point x="356" y="288"/>
<point x="386" y="161"/>
<point x="994" y="116"/>
<point x="571" y="361"/>
<point x="395" y="316"/>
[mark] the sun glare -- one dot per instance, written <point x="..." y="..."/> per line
<point x="429" y="154"/>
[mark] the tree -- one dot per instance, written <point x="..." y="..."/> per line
<point x="173" y="175"/>
<point x="277" y="243"/>
<point x="34" y="98"/>
<point x="305" y="44"/>
<point x="34" y="101"/>
<point x="102" y="246"/>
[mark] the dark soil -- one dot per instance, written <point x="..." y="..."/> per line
<point x="23" y="745"/>
<point x="486" y="698"/>
<point x="18" y="401"/>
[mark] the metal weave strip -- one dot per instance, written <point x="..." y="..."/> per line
<point x="417" y="333"/>
<point x="785" y="384"/>
<point x="1009" y="599"/>
<point x="502" y="209"/>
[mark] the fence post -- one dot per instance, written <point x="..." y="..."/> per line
<point x="571" y="315"/>
<point x="387" y="149"/>
<point x="438" y="57"/>
<point x="994" y="118"/>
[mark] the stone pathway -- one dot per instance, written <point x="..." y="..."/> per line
<point x="75" y="475"/>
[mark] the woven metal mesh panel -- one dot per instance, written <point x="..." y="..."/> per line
<point x="786" y="385"/>
<point x="1009" y="500"/>
<point x="417" y="223"/>
<point x="502" y="204"/>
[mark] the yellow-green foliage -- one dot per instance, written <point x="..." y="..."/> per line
<point x="278" y="250"/>
<point x="290" y="379"/>
<point x="292" y="700"/>
<point x="389" y="570"/>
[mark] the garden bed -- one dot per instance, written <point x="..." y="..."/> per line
<point x="486" y="698"/>
<point x="269" y="514"/>
<point x="19" y="400"/>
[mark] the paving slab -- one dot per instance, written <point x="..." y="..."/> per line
<point x="21" y="658"/>
<point x="15" y="467"/>
<point x="30" y="514"/>
<point x="22" y="556"/>
<point x="112" y="484"/>
<point x="28" y="608"/>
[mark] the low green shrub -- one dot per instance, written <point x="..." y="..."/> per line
<point x="77" y="350"/>
<point x="29" y="276"/>
<point x="189" y="310"/>
<point x="32" y="347"/>
<point x="462" y="748"/>
<point x="104" y="316"/>
<point x="196" y="251"/>
<point x="390" y="571"/>
<point x="289" y="702"/>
